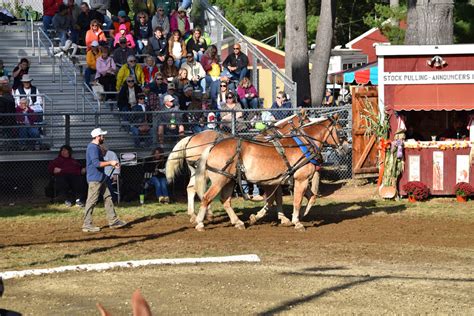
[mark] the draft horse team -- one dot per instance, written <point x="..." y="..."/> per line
<point x="290" y="150"/>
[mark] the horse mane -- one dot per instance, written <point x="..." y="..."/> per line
<point x="315" y="120"/>
<point x="285" y="120"/>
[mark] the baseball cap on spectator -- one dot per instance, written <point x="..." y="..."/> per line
<point x="187" y="87"/>
<point x="171" y="86"/>
<point x="95" y="44"/>
<point x="168" y="98"/>
<point x="122" y="40"/>
<point x="181" y="9"/>
<point x="122" y="13"/>
<point x="189" y="54"/>
<point x="97" y="132"/>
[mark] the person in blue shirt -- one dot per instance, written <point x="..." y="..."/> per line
<point x="96" y="179"/>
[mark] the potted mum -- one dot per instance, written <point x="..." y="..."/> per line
<point x="416" y="191"/>
<point x="463" y="190"/>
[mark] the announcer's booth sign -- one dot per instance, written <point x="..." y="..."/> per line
<point x="128" y="159"/>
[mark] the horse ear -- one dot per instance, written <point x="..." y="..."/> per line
<point x="335" y="116"/>
<point x="102" y="310"/>
<point x="140" y="306"/>
<point x="303" y="113"/>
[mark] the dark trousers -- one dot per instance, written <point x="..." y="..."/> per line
<point x="71" y="186"/>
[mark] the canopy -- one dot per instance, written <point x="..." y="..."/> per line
<point x="359" y="75"/>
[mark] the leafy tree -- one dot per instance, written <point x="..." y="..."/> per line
<point x="390" y="29"/>
<point x="464" y="21"/>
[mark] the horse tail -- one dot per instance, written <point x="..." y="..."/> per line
<point x="176" y="159"/>
<point x="200" y="183"/>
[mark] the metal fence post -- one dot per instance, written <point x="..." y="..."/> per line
<point x="155" y="128"/>
<point x="233" y="123"/>
<point x="67" y="132"/>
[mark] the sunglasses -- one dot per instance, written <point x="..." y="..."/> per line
<point x="236" y="48"/>
<point x="95" y="24"/>
<point x="223" y="85"/>
<point x="229" y="98"/>
<point x="141" y="17"/>
<point x="141" y="98"/>
<point x="161" y="10"/>
<point x="159" y="78"/>
<point x="131" y="81"/>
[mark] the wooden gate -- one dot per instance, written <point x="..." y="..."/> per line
<point x="364" y="148"/>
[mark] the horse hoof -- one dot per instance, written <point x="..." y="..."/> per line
<point x="200" y="227"/>
<point x="300" y="227"/>
<point x="286" y="223"/>
<point x="192" y="220"/>
<point x="240" y="225"/>
<point x="252" y="219"/>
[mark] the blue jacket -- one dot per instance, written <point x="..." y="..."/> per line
<point x="93" y="158"/>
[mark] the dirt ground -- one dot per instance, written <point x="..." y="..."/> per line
<point x="357" y="255"/>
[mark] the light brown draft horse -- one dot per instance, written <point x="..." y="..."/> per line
<point x="266" y="165"/>
<point x="189" y="150"/>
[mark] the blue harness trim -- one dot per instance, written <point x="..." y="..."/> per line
<point x="306" y="151"/>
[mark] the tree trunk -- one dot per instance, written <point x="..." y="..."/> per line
<point x="322" y="52"/>
<point x="296" y="47"/>
<point x="394" y="3"/>
<point x="430" y="22"/>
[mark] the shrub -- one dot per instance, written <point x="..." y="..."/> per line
<point x="463" y="189"/>
<point x="416" y="189"/>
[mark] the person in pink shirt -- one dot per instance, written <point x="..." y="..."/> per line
<point x="123" y="33"/>
<point x="105" y="71"/>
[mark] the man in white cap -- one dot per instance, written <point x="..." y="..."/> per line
<point x="170" y="120"/>
<point x="97" y="181"/>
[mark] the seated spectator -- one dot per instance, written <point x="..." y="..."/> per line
<point x="95" y="33"/>
<point x="73" y="11"/>
<point x="121" y="18"/>
<point x="155" y="175"/>
<point x="179" y="21"/>
<point x="139" y="125"/>
<point x="118" y="7"/>
<point x="105" y="71"/>
<point x="21" y="69"/>
<point x="150" y="69"/>
<point x="227" y="107"/>
<point x="172" y="91"/>
<point x="328" y="98"/>
<point x="131" y="68"/>
<point x="7" y="106"/>
<point x="142" y="31"/>
<point x="101" y="6"/>
<point x="237" y="63"/>
<point x="31" y="93"/>
<point x="124" y="33"/>
<point x="247" y="93"/>
<point x="219" y="89"/>
<point x="158" y="85"/>
<point x="169" y="69"/>
<point x="50" y="7"/>
<point x="197" y="119"/>
<point x="279" y="104"/>
<point x="169" y="6"/>
<point x="3" y="70"/>
<point x="210" y="63"/>
<point x="62" y="23"/>
<point x="158" y="45"/>
<point x="91" y="59"/>
<point x="186" y="97"/>
<point x="196" y="74"/>
<point x="181" y="81"/>
<point x="122" y="52"/>
<point x="196" y="44"/>
<point x="170" y="120"/>
<point x="306" y="102"/>
<point x="84" y="21"/>
<point x="127" y="97"/>
<point x="69" y="177"/>
<point x="160" y="19"/>
<point x="177" y="48"/>
<point x="26" y="118"/>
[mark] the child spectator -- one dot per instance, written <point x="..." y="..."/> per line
<point x="124" y="33"/>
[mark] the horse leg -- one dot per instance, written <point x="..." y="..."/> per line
<point x="226" y="199"/>
<point x="254" y="218"/>
<point x="206" y="200"/>
<point x="284" y="221"/>
<point x="191" y="195"/>
<point x="299" y="190"/>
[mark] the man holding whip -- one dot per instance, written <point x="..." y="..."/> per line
<point x="96" y="178"/>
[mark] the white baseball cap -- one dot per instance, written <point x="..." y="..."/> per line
<point x="97" y="132"/>
<point x="95" y="44"/>
<point x="168" y="98"/>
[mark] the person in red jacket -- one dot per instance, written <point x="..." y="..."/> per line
<point x="50" y="8"/>
<point x="68" y="174"/>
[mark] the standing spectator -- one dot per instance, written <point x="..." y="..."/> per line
<point x="177" y="48"/>
<point x="3" y="70"/>
<point x="169" y="69"/>
<point x="196" y="74"/>
<point x="124" y="33"/>
<point x="122" y="52"/>
<point x="237" y="63"/>
<point x="7" y="106"/>
<point x="21" y="69"/>
<point x="84" y="21"/>
<point x="26" y="118"/>
<point x="50" y="7"/>
<point x="131" y="68"/>
<point x="105" y="71"/>
<point x="139" y="126"/>
<point x="62" y="23"/>
<point x="160" y="19"/>
<point x="91" y="59"/>
<point x="150" y="69"/>
<point x="95" y="34"/>
<point x="127" y="97"/>
<point x="196" y="44"/>
<point x="158" y="45"/>
<point x="248" y="95"/>
<point x="142" y="31"/>
<point x="179" y="22"/>
<point x="116" y="6"/>
<point x="155" y="167"/>
<point x="68" y="175"/>
<point x="97" y="183"/>
<point x="281" y="103"/>
<point x="102" y="6"/>
<point x="122" y="18"/>
<point x="170" y="120"/>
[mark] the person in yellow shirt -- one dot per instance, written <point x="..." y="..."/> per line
<point x="91" y="59"/>
<point x="131" y="68"/>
